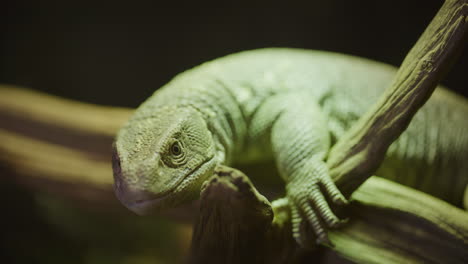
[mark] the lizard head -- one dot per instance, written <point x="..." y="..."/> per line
<point x="161" y="160"/>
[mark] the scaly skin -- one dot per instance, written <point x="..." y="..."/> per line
<point x="290" y="106"/>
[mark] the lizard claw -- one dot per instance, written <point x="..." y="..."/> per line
<point x="335" y="195"/>
<point x="309" y="203"/>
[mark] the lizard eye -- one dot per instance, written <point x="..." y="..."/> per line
<point x="175" y="149"/>
<point x="176" y="155"/>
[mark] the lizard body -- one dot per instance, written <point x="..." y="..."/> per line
<point x="286" y="105"/>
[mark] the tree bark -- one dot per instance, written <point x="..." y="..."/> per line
<point x="389" y="223"/>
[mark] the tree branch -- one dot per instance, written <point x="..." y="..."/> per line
<point x="389" y="223"/>
<point x="358" y="154"/>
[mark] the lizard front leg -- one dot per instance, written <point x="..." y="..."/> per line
<point x="300" y="141"/>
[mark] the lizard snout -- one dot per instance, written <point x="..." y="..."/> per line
<point x="137" y="200"/>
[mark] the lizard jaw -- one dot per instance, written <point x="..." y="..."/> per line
<point x="143" y="202"/>
<point x="144" y="207"/>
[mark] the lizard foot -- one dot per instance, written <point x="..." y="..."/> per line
<point x="310" y="207"/>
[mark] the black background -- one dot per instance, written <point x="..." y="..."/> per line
<point x="118" y="53"/>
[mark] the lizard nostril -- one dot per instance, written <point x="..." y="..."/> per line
<point x="139" y="201"/>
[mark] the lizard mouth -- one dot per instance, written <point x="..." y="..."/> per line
<point x="144" y="207"/>
<point x="150" y="203"/>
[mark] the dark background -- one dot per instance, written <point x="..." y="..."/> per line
<point x="119" y="52"/>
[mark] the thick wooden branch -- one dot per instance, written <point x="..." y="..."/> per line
<point x="397" y="224"/>
<point x="358" y="154"/>
<point x="84" y="127"/>
<point x="389" y="223"/>
<point x="58" y="145"/>
<point x="233" y="223"/>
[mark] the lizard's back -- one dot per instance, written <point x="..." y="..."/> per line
<point x="431" y="155"/>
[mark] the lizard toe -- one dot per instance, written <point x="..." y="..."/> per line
<point x="296" y="221"/>
<point x="324" y="210"/>
<point x="315" y="223"/>
<point x="332" y="191"/>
